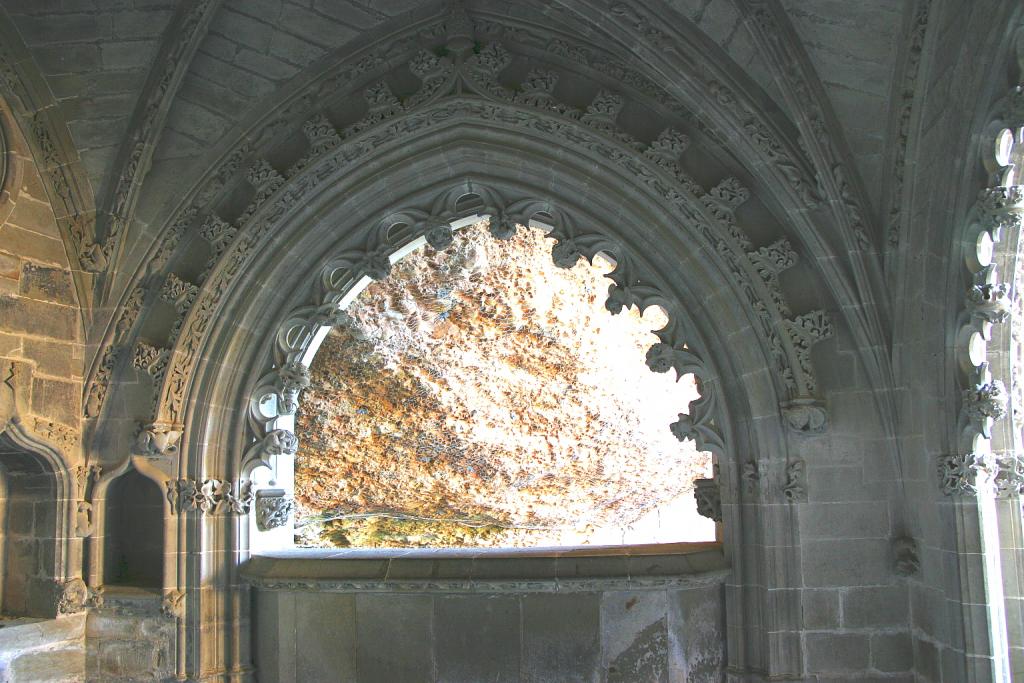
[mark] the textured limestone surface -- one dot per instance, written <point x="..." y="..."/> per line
<point x="483" y="396"/>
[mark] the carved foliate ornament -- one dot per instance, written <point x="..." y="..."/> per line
<point x="273" y="509"/>
<point x="989" y="302"/>
<point x="984" y="403"/>
<point x="211" y="496"/>
<point x="1009" y="476"/>
<point x="795" y="488"/>
<point x="961" y="474"/>
<point x="668" y="147"/>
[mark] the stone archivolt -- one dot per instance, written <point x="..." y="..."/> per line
<point x="755" y="270"/>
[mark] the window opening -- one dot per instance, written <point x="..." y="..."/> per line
<point x="483" y="396"/>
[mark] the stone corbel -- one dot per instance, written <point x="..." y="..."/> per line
<point x="708" y="495"/>
<point x="173" y="604"/>
<point x="292" y="379"/>
<point x="273" y="507"/>
<point x="73" y="596"/>
<point x="906" y="561"/>
<point x="805" y="415"/>
<point x="159" y="439"/>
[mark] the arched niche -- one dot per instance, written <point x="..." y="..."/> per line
<point x="32" y="513"/>
<point x="133" y="533"/>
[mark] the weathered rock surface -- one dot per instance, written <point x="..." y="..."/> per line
<point x="484" y="396"/>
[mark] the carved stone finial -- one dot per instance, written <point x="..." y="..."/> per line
<point x="709" y="498"/>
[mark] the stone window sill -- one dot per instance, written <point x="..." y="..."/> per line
<point x="478" y="570"/>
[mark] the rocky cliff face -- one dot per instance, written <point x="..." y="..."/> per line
<point x="484" y="396"/>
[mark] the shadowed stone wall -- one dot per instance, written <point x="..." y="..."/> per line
<point x="615" y="636"/>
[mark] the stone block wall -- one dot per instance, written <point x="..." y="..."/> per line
<point x="129" y="639"/>
<point x="51" y="650"/>
<point x="600" y="635"/>
<point x="41" y="350"/>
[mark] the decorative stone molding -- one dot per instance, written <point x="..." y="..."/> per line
<point x="795" y="488"/>
<point x="209" y="497"/>
<point x="273" y="508"/>
<point x="906" y="561"/>
<point x="662" y="154"/>
<point x="151" y="360"/>
<point x="911" y="68"/>
<point x="709" y="498"/>
<point x="154" y="103"/>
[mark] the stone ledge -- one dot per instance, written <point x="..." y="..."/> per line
<point x="482" y="571"/>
